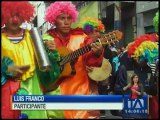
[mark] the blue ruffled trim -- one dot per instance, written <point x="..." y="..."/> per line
<point x="5" y="62"/>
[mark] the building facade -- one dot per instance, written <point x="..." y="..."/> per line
<point x="133" y="18"/>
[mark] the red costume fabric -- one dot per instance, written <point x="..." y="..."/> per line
<point x="153" y="107"/>
<point x="9" y="88"/>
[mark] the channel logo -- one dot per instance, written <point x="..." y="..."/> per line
<point x="135" y="106"/>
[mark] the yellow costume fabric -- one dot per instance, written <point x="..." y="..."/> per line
<point x="21" y="53"/>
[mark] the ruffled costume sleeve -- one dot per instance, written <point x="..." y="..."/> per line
<point x="5" y="62"/>
<point x="91" y="59"/>
<point x="54" y="72"/>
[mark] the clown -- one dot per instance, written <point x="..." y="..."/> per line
<point x="145" y="49"/>
<point x="92" y="27"/>
<point x="18" y="63"/>
<point x="62" y="15"/>
<point x="154" y="102"/>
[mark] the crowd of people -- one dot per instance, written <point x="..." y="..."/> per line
<point x="20" y="74"/>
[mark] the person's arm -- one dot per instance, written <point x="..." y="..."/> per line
<point x="139" y="93"/>
<point x="93" y="58"/>
<point x="49" y="41"/>
<point x="8" y="69"/>
<point x="50" y="47"/>
<point x="5" y="62"/>
<point x="140" y="90"/>
<point x="126" y="87"/>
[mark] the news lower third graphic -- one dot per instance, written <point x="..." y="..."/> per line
<point x="137" y="106"/>
<point x="62" y="102"/>
<point x="81" y="102"/>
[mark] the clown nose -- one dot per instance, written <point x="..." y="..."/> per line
<point x="15" y="20"/>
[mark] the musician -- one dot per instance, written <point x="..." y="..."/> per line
<point x="93" y="28"/>
<point x="18" y="63"/>
<point x="62" y="15"/>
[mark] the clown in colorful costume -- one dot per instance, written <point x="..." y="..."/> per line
<point x="18" y="49"/>
<point x="154" y="101"/>
<point x="144" y="48"/>
<point x="72" y="39"/>
<point x="92" y="27"/>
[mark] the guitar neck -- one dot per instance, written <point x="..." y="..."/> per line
<point x="75" y="54"/>
<point x="111" y="37"/>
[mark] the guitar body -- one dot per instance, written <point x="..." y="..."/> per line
<point x="101" y="73"/>
<point x="67" y="70"/>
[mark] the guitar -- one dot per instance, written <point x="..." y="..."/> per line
<point x="51" y="80"/>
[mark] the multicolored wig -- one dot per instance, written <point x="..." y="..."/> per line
<point x="23" y="9"/>
<point x="144" y="48"/>
<point x="88" y="24"/>
<point x="156" y="21"/>
<point x="56" y="8"/>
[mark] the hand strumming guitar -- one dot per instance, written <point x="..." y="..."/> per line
<point x="97" y="48"/>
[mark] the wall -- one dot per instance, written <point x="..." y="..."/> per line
<point x="90" y="10"/>
<point x="145" y="6"/>
<point x="145" y="13"/>
<point x="40" y="14"/>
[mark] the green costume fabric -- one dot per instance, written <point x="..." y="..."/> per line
<point x="31" y="86"/>
<point x="50" y="76"/>
<point x="55" y="114"/>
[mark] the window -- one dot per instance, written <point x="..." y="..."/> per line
<point x="149" y="29"/>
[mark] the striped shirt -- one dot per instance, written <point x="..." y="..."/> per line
<point x="153" y="68"/>
<point x="16" y="39"/>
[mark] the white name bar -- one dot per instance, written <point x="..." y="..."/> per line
<point x="66" y="106"/>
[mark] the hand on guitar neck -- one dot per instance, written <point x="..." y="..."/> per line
<point x="97" y="48"/>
